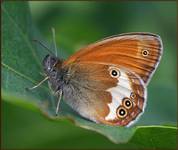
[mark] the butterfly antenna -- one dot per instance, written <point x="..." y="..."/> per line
<point x="43" y="45"/>
<point x="54" y="40"/>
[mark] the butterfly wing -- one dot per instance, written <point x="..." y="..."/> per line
<point x="105" y="93"/>
<point x="138" y="52"/>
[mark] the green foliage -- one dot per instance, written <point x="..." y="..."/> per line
<point x="21" y="67"/>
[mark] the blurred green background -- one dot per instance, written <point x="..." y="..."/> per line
<point x="78" y="24"/>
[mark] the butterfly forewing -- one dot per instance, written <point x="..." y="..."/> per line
<point x="138" y="52"/>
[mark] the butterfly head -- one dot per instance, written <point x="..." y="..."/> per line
<point x="49" y="62"/>
<point x="53" y="69"/>
<point x="51" y="66"/>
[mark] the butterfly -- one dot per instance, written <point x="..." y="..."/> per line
<point x="106" y="82"/>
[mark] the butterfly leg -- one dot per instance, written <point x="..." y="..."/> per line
<point x="42" y="74"/>
<point x="37" y="85"/>
<point x="59" y="95"/>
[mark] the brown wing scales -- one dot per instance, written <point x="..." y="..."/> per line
<point x="92" y="97"/>
<point x="126" y="50"/>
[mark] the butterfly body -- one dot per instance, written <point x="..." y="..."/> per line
<point x="106" y="81"/>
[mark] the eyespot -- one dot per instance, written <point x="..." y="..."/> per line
<point x="114" y="72"/>
<point x="121" y="112"/>
<point x="145" y="52"/>
<point x="132" y="95"/>
<point x="127" y="103"/>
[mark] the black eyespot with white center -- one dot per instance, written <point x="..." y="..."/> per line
<point x="127" y="103"/>
<point x="114" y="72"/>
<point x="145" y="52"/>
<point x="132" y="95"/>
<point x="121" y="112"/>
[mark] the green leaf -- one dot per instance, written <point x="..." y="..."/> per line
<point x="21" y="67"/>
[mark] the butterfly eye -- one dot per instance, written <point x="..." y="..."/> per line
<point x="53" y="73"/>
<point x="115" y="73"/>
<point x="121" y="112"/>
<point x="127" y="103"/>
<point x="145" y="52"/>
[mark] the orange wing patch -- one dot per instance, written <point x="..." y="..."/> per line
<point x="138" y="52"/>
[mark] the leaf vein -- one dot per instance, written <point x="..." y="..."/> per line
<point x="21" y="75"/>
<point x="24" y="36"/>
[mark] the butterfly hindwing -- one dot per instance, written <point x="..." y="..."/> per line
<point x="102" y="92"/>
